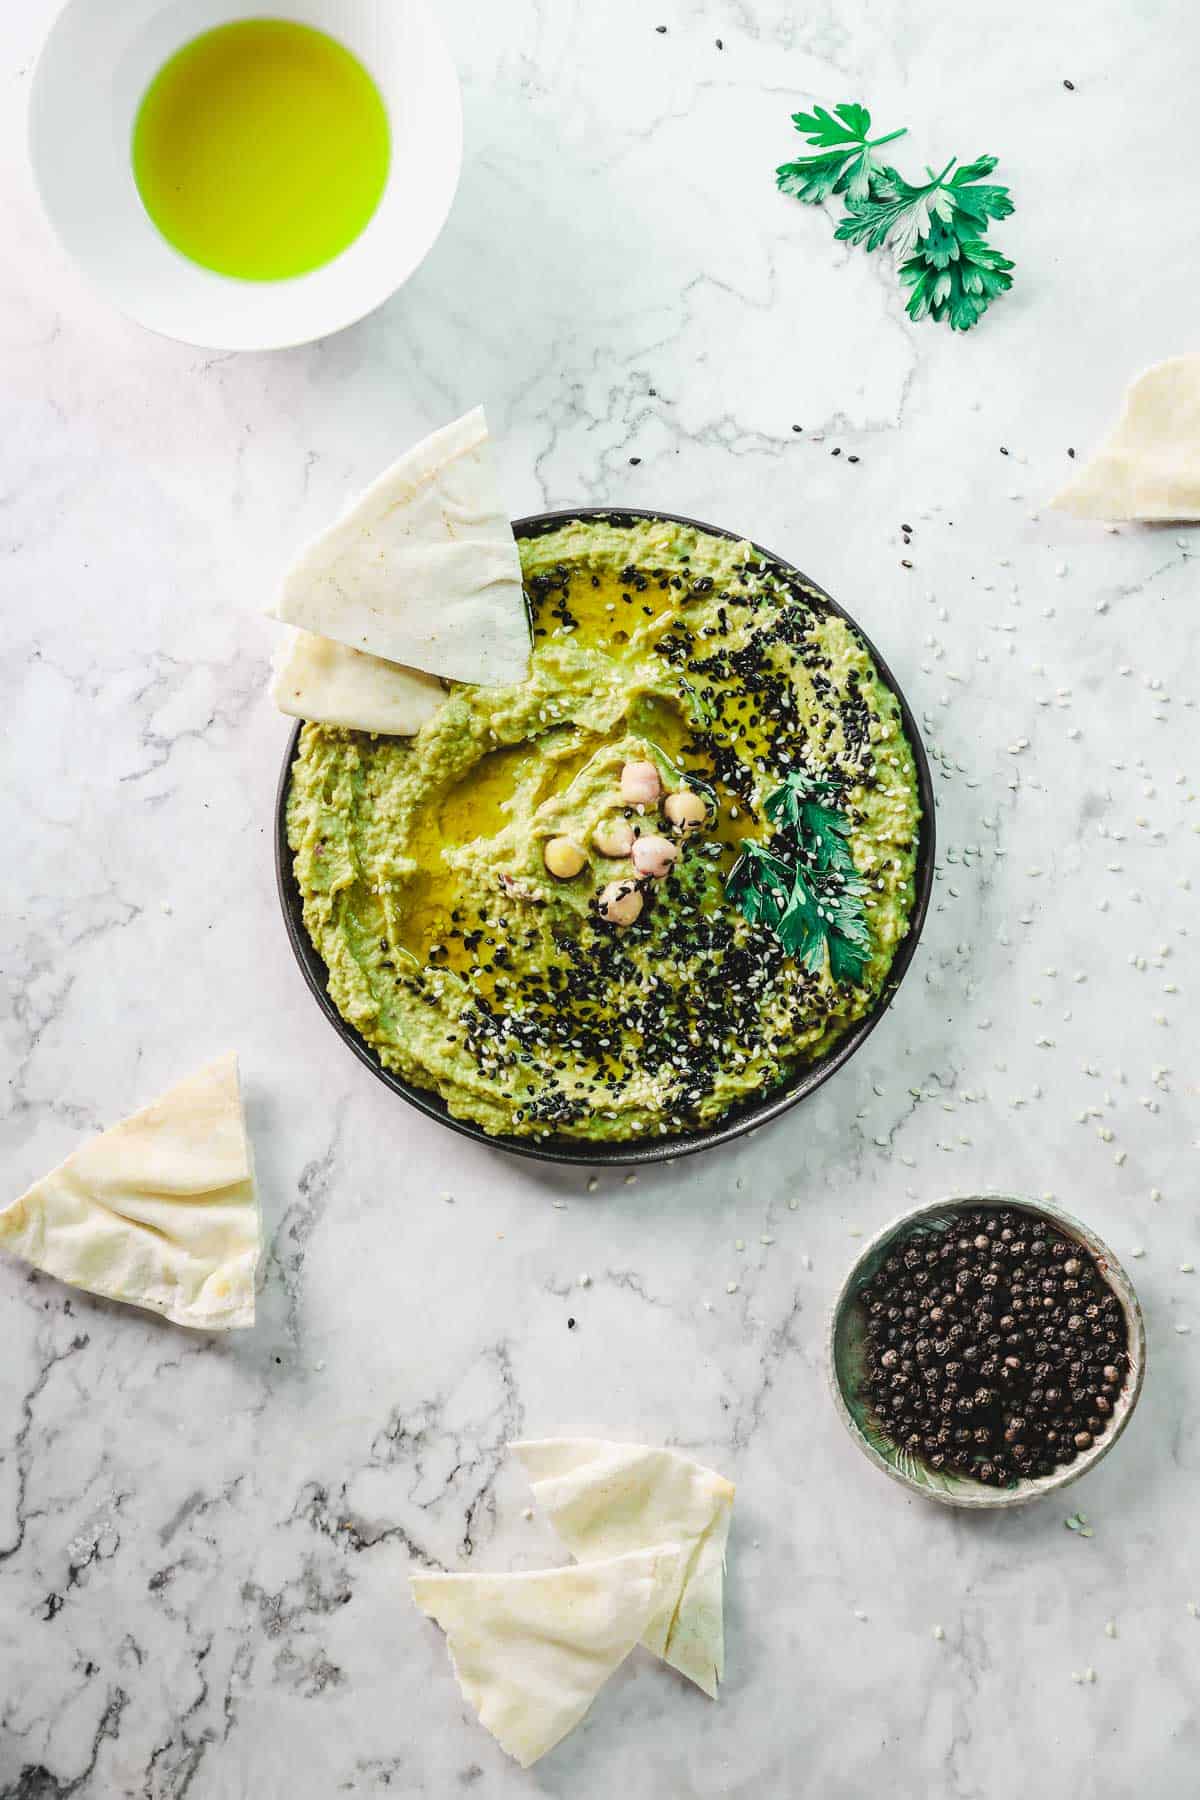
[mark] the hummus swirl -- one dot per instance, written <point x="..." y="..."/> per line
<point x="471" y="970"/>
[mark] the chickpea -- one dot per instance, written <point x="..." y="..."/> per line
<point x="653" y="855"/>
<point x="686" y="810"/>
<point x="620" y="902"/>
<point x="563" y="857"/>
<point x="613" y="837"/>
<point x="640" y="784"/>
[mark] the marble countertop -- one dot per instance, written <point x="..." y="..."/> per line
<point x="204" y="1543"/>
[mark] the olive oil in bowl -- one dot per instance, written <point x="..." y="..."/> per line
<point x="261" y="149"/>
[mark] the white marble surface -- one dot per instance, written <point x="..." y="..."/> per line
<point x="203" y="1544"/>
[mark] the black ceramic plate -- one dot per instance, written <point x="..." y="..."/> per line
<point x="740" y="1119"/>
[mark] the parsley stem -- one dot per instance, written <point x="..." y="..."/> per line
<point x="874" y="143"/>
<point x="937" y="180"/>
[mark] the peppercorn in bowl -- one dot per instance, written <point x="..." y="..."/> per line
<point x="986" y="1351"/>
<point x="643" y="899"/>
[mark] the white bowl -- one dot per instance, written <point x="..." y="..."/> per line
<point x="96" y="65"/>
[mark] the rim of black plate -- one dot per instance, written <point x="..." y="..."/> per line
<point x="739" y="1120"/>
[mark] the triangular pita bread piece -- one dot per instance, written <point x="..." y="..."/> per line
<point x="1149" y="470"/>
<point x="606" y="1498"/>
<point x="531" y="1651"/>
<point x="318" y="679"/>
<point x="160" y="1211"/>
<point x="423" y="568"/>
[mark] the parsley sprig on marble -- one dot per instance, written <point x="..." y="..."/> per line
<point x="803" y="885"/>
<point x="935" y="228"/>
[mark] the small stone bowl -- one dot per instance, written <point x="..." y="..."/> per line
<point x="846" y="1349"/>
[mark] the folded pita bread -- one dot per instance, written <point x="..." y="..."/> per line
<point x="318" y="679"/>
<point x="604" y="1499"/>
<point x="423" y="568"/>
<point x="1149" y="470"/>
<point x="160" y="1211"/>
<point x="532" y="1651"/>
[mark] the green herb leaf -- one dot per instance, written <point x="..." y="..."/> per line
<point x="935" y="228"/>
<point x="896" y="212"/>
<point x="805" y="887"/>
<point x="784" y="805"/>
<point x="947" y="206"/>
<point x="849" y="164"/>
<point x="850" y="126"/>
<point x="801" y="930"/>
<point x="959" y="291"/>
<point x="760" y="884"/>
<point x="824" y="833"/>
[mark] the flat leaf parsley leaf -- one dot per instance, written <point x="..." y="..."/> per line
<point x="804" y="886"/>
<point x="937" y="213"/>
<point x="962" y="290"/>
<point x="935" y="228"/>
<point x="760" y="884"/>
<point x="849" y="160"/>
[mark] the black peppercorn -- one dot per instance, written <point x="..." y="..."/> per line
<point x="957" y="1392"/>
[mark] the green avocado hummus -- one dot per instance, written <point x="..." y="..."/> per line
<point x="472" y="970"/>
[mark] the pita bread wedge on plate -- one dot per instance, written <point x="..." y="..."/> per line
<point x="1149" y="470"/>
<point x="604" y="1499"/>
<point x="318" y="679"/>
<point x="159" y="1211"/>
<point x="423" y="568"/>
<point x="531" y="1651"/>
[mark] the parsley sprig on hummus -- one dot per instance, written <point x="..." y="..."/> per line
<point x="804" y="887"/>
